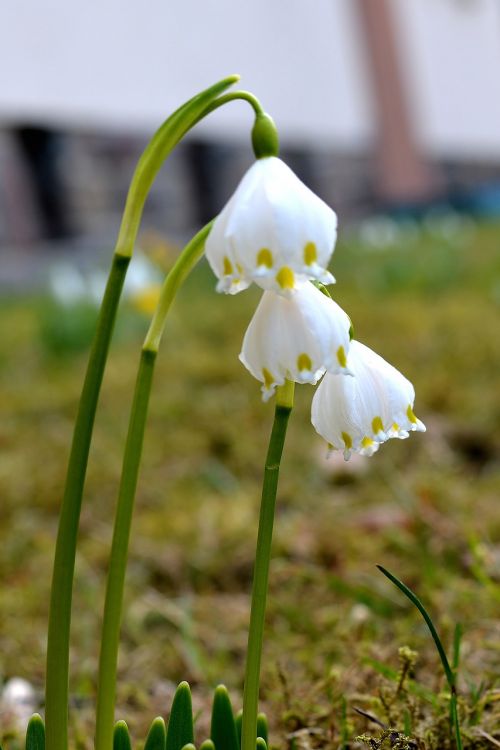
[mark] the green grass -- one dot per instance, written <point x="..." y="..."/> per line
<point x="426" y="508"/>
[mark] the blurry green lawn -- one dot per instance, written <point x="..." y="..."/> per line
<point x="426" y="508"/>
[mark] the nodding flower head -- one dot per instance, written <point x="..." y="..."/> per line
<point x="358" y="414"/>
<point x="296" y="338"/>
<point x="273" y="231"/>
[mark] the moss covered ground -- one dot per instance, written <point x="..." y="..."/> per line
<point x="339" y="637"/>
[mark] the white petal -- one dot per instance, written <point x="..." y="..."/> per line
<point x="273" y="231"/>
<point x="360" y="413"/>
<point x="295" y="338"/>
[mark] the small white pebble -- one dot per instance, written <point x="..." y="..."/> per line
<point x="359" y="614"/>
<point x="17" y="701"/>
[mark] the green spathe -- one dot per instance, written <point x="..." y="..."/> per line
<point x="265" y="140"/>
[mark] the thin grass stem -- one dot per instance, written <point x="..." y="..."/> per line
<point x="449" y="672"/>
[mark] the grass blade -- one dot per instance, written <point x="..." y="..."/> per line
<point x="449" y="672"/>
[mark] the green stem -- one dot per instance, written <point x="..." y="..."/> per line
<point x="261" y="570"/>
<point x="57" y="669"/>
<point x="454" y="718"/>
<point x="166" y="137"/>
<point x="121" y="534"/>
<point x="56" y="705"/>
<point x="234" y="96"/>
<point x="118" y="558"/>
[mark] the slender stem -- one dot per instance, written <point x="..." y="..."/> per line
<point x="56" y="711"/>
<point x="450" y="677"/>
<point x="162" y="143"/>
<point x="261" y="571"/>
<point x="119" y="550"/>
<point x="177" y="274"/>
<point x="158" y="149"/>
<point x="234" y="96"/>
<point x="454" y="718"/>
<point x="57" y="669"/>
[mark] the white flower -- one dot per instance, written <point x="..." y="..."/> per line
<point x="272" y="230"/>
<point x="296" y="338"/>
<point x="358" y="414"/>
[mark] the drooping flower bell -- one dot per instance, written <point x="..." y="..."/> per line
<point x="296" y="338"/>
<point x="358" y="414"/>
<point x="272" y="230"/>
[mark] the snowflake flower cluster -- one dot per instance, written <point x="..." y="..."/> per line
<point x="278" y="234"/>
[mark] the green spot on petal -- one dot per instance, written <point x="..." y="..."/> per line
<point x="411" y="416"/>
<point x="304" y="362"/>
<point x="347" y="440"/>
<point x="265" y="258"/>
<point x="285" y="278"/>
<point x="366" y="442"/>
<point x="341" y="357"/>
<point x="268" y="378"/>
<point x="310" y="254"/>
<point x="377" y="425"/>
<point x="228" y="266"/>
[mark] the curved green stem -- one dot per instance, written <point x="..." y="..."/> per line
<point x="284" y="404"/>
<point x="56" y="703"/>
<point x="234" y="96"/>
<point x="177" y="274"/>
<point x="130" y="472"/>
<point x="57" y="674"/>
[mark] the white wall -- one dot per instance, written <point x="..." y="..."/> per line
<point x="128" y="64"/>
<point x="121" y="64"/>
<point x="450" y="51"/>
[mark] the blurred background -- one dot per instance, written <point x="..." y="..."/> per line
<point x="388" y="109"/>
<point x="385" y="105"/>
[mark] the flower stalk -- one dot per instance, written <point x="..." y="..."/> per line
<point x="58" y="640"/>
<point x="284" y="405"/>
<point x="56" y="702"/>
<point x="131" y="461"/>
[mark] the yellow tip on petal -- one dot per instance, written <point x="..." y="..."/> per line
<point x="310" y="254"/>
<point x="366" y="442"/>
<point x="228" y="266"/>
<point x="285" y="278"/>
<point x="341" y="357"/>
<point x="265" y="258"/>
<point x="377" y="425"/>
<point x="347" y="440"/>
<point x="395" y="427"/>
<point x="411" y="416"/>
<point x="268" y="378"/>
<point x="304" y="362"/>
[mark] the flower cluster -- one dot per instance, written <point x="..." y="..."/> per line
<point x="278" y="234"/>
